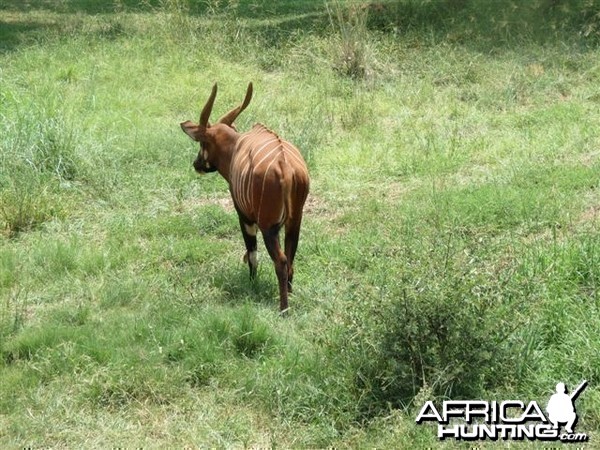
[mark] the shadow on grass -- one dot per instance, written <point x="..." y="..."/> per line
<point x="236" y="286"/>
<point x="486" y="25"/>
<point x="273" y="21"/>
<point x="256" y="9"/>
<point x="17" y="33"/>
<point x="78" y="6"/>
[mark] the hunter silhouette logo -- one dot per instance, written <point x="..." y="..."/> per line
<point x="472" y="420"/>
<point x="561" y="406"/>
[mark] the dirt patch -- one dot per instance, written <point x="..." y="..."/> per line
<point x="315" y="205"/>
<point x="590" y="214"/>
<point x="590" y="158"/>
<point x="190" y="204"/>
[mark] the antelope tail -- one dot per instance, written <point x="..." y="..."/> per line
<point x="288" y="183"/>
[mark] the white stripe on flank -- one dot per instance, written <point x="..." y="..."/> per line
<point x="256" y="148"/>
<point x="244" y="136"/>
<point x="246" y="187"/>
<point x="238" y="192"/>
<point x="267" y="155"/>
<point x="263" y="189"/>
<point x="235" y="181"/>
<point x="260" y="149"/>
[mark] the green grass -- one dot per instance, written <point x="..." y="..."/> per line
<point x="449" y="249"/>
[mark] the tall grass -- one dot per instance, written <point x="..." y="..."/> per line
<point x="38" y="161"/>
<point x="350" y="24"/>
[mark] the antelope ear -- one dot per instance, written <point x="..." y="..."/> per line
<point x="192" y="130"/>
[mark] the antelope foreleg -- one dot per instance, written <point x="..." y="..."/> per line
<point x="249" y="234"/>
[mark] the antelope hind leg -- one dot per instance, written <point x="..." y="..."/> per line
<point x="271" y="238"/>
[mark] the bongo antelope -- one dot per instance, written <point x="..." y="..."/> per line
<point x="268" y="181"/>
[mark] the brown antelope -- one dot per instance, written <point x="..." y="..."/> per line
<point x="268" y="181"/>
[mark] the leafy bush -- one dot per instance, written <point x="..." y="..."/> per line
<point x="437" y="321"/>
<point x="453" y="350"/>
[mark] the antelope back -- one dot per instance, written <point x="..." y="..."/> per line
<point x="268" y="178"/>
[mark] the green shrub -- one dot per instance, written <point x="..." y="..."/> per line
<point x="436" y="335"/>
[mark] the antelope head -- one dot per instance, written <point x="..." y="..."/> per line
<point x="217" y="141"/>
